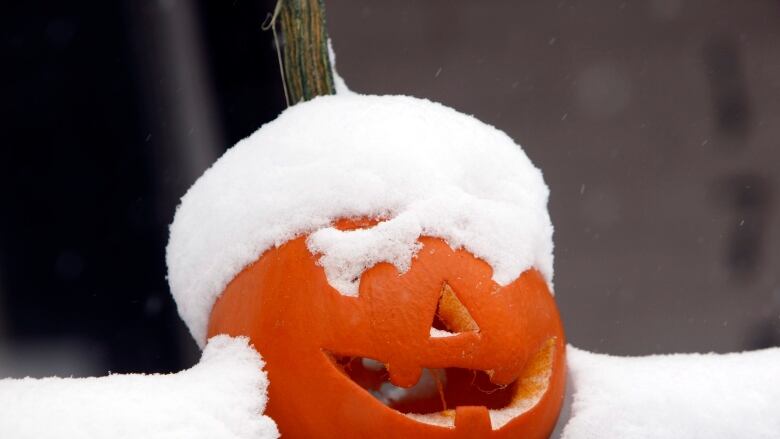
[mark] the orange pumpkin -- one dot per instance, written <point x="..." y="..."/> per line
<point x="492" y="366"/>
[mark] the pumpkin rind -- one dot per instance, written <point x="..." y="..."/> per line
<point x="294" y="318"/>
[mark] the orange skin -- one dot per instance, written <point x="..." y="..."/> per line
<point x="292" y="315"/>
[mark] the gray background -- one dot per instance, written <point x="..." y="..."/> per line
<point x="655" y="124"/>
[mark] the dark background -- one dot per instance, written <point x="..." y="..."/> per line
<point x="110" y="112"/>
<point x="655" y="122"/>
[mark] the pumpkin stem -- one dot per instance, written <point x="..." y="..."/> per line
<point x="305" y="64"/>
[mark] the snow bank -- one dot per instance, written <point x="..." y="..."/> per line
<point x="223" y="396"/>
<point x="675" y="396"/>
<point x="422" y="167"/>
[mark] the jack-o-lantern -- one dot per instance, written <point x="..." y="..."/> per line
<point x="439" y="351"/>
<point x="389" y="257"/>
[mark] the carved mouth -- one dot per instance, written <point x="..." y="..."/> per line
<point x="438" y="392"/>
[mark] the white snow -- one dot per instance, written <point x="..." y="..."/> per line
<point x="338" y="81"/>
<point x="420" y="167"/>
<point x="675" y="396"/>
<point x="223" y="396"/>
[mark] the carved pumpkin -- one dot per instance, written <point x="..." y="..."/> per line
<point x="439" y="351"/>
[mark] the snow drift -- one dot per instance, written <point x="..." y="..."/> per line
<point x="726" y="396"/>
<point x="222" y="397"/>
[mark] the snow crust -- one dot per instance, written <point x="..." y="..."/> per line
<point x="223" y="396"/>
<point x="420" y="167"/>
<point x="675" y="396"/>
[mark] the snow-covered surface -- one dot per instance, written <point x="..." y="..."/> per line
<point x="223" y="396"/>
<point x="423" y="168"/>
<point x="675" y="396"/>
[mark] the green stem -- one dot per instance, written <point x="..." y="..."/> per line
<point x="307" y="67"/>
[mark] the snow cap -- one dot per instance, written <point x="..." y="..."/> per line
<point x="424" y="168"/>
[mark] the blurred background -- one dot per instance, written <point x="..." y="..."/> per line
<point x="656" y="124"/>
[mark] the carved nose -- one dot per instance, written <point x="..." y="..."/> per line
<point x="451" y="317"/>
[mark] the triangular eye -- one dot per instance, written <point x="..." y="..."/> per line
<point x="451" y="316"/>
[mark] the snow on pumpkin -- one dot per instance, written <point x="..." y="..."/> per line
<point x="391" y="259"/>
<point x="422" y="168"/>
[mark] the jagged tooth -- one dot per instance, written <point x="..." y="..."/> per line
<point x="541" y="360"/>
<point x="503" y="376"/>
<point x="472" y="421"/>
<point x="404" y="375"/>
